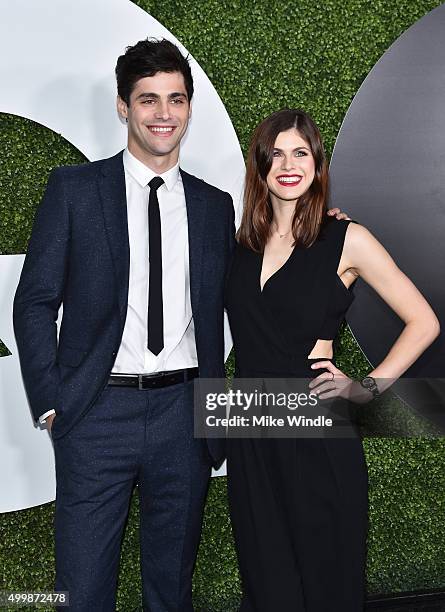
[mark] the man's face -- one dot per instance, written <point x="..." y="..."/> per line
<point x="158" y="116"/>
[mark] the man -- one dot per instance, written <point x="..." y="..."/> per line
<point x="136" y="250"/>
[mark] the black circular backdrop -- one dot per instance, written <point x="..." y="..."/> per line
<point x="388" y="173"/>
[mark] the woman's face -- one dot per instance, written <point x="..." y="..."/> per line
<point x="293" y="167"/>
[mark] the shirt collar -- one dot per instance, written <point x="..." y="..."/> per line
<point x="142" y="174"/>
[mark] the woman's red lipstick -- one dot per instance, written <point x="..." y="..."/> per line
<point x="289" y="180"/>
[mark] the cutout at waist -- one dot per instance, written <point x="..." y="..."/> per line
<point x="323" y="349"/>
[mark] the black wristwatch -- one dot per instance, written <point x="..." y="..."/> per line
<point x="369" y="383"/>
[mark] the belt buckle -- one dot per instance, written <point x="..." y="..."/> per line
<point x="148" y="376"/>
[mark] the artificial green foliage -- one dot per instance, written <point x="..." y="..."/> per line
<point x="260" y="56"/>
<point x="29" y="152"/>
<point x="348" y="357"/>
<point x="263" y="55"/>
<point x="26" y="550"/>
<point x="4" y="351"/>
<point x="217" y="559"/>
<point x="406" y="514"/>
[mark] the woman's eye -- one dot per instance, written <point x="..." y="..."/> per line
<point x="301" y="153"/>
<point x="276" y="154"/>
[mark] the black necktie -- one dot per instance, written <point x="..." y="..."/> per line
<point x="155" y="315"/>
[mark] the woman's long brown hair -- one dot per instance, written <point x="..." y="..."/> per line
<point x="310" y="208"/>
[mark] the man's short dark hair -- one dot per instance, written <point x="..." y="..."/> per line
<point x="145" y="59"/>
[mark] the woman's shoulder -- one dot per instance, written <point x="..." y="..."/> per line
<point x="345" y="237"/>
<point x="333" y="229"/>
<point x="357" y="234"/>
<point x="346" y="228"/>
<point x="361" y="246"/>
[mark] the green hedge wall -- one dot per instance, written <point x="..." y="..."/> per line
<point x="260" y="56"/>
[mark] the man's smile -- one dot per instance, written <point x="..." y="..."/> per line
<point x="162" y="130"/>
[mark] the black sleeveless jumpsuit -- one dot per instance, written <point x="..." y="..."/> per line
<point x="298" y="506"/>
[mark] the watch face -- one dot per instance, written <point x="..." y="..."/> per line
<point x="368" y="382"/>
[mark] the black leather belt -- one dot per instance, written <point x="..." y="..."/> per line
<point x="153" y="381"/>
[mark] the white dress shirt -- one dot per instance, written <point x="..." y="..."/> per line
<point x="179" y="334"/>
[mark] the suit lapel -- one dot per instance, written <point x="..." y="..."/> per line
<point x="196" y="218"/>
<point x="114" y="207"/>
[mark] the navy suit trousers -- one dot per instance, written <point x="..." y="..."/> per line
<point x="129" y="437"/>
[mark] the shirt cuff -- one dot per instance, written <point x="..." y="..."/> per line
<point x="42" y="418"/>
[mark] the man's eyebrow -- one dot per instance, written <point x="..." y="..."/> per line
<point x="175" y="94"/>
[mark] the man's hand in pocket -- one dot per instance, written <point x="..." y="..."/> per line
<point x="49" y="421"/>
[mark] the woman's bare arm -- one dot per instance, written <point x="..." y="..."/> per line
<point x="365" y="256"/>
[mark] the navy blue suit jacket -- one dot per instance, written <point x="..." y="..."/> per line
<point x="78" y="256"/>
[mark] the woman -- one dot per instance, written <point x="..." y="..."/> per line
<point x="299" y="506"/>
